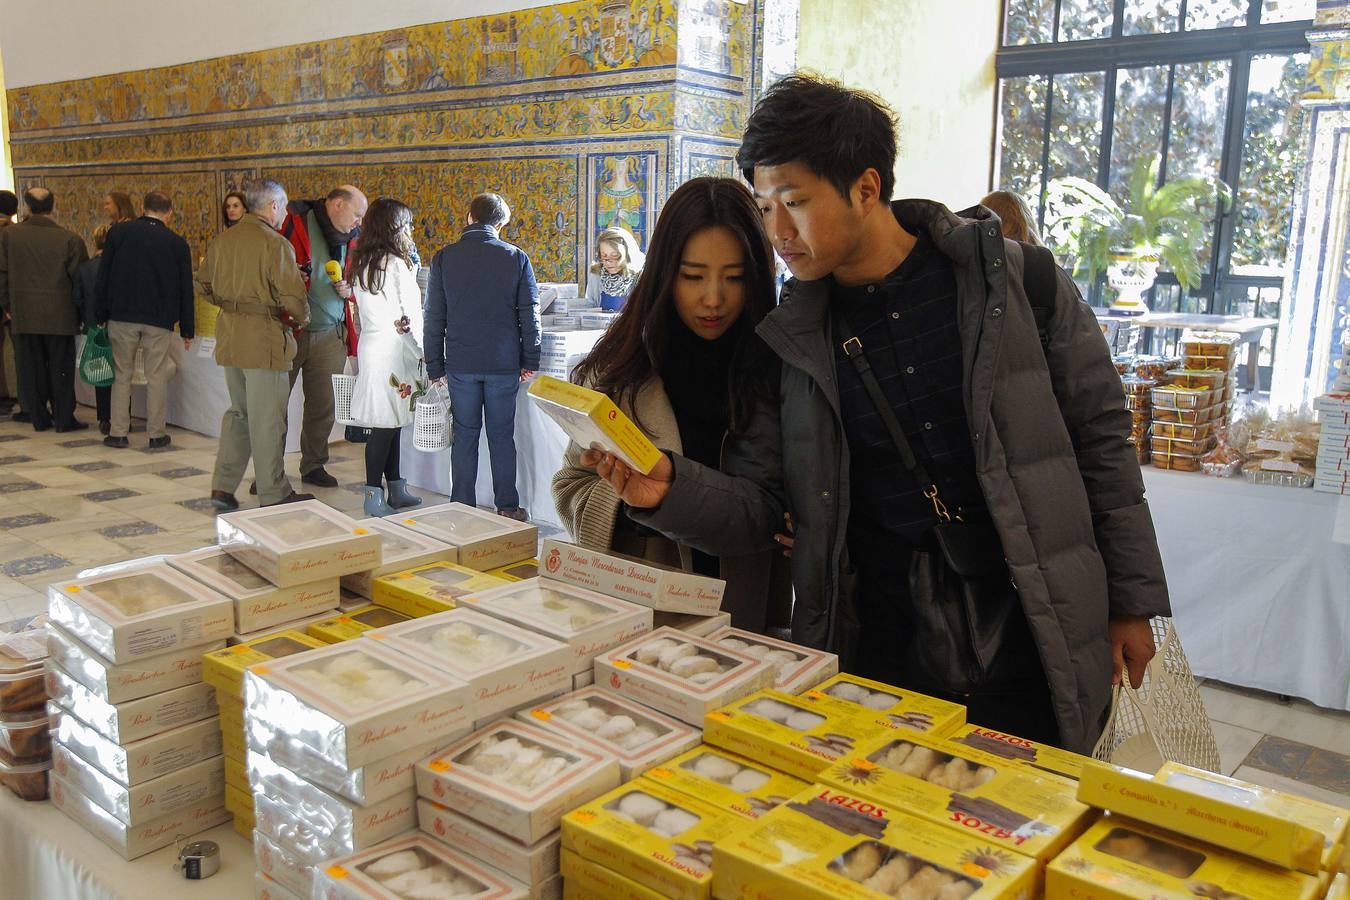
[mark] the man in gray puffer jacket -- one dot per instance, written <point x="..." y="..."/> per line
<point x="1019" y="427"/>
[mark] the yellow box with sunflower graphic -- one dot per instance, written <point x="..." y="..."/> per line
<point x="1123" y="859"/>
<point x="353" y="624"/>
<point x="726" y="780"/>
<point x="428" y="589"/>
<point x="965" y="790"/>
<point x="892" y="708"/>
<point x="799" y="734"/>
<point x="828" y="844"/>
<point x="658" y="837"/>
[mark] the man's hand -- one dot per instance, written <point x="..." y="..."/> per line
<point x="785" y="538"/>
<point x="637" y="490"/>
<point x="344" y="290"/>
<point x="440" y="381"/>
<point x="1132" y="646"/>
<point x="187" y="344"/>
<point x="526" y="375"/>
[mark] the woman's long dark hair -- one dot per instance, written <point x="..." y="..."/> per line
<point x="381" y="238"/>
<point x="125" y="211"/>
<point x="632" y="350"/>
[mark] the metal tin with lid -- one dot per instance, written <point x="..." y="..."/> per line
<point x="198" y="860"/>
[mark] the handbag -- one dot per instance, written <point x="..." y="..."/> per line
<point x="96" y="359"/>
<point x="968" y="638"/>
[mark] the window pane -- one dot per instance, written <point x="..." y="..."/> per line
<point x="1023" y="135"/>
<point x="1202" y="14"/>
<point x="1271" y="163"/>
<point x="1287" y="10"/>
<point x="1141" y="96"/>
<point x="1083" y="20"/>
<point x="1029" y="22"/>
<point x="1199" y="110"/>
<point x="1076" y="125"/>
<point x="1152" y="16"/>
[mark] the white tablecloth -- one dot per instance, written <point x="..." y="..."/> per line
<point x="46" y="856"/>
<point x="1260" y="587"/>
<point x="540" y="445"/>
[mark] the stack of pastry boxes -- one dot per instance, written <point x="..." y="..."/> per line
<point x="25" y="741"/>
<point x="136" y="749"/>
<point x="498" y="795"/>
<point x="1195" y="402"/>
<point x="1333" y="447"/>
<point x="1139" y="375"/>
<point x="653" y="836"/>
<point x="1188" y="832"/>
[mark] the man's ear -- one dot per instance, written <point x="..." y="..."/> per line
<point x="866" y="190"/>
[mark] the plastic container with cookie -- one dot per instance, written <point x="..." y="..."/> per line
<point x="1177" y="397"/>
<point x="23" y="647"/>
<point x="1198" y="379"/>
<point x="26" y="779"/>
<point x="25" y="734"/>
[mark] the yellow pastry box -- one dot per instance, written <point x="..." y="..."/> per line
<point x="1031" y="754"/>
<point x="588" y="881"/>
<point x="429" y="589"/>
<point x="591" y="419"/>
<point x="1121" y="859"/>
<point x="1282" y="829"/>
<point x="351" y="625"/>
<point x="827" y="844"/>
<point x="526" y="568"/>
<point x="727" y="781"/>
<point x="658" y="837"/>
<point x="224" y="669"/>
<point x="797" y="734"/>
<point x="985" y="798"/>
<point x="893" y="708"/>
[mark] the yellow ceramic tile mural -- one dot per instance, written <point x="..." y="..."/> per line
<point x="575" y="112"/>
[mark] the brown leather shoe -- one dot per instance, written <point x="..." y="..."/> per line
<point x="292" y="497"/>
<point x="519" y="514"/>
<point x="224" y="501"/>
<point x="319" y="477"/>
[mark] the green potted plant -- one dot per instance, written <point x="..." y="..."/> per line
<point x="1156" y="225"/>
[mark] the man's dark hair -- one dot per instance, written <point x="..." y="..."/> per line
<point x="835" y="131"/>
<point x="39" y="200"/>
<point x="157" y="202"/>
<point x="490" y="209"/>
<point x="9" y="203"/>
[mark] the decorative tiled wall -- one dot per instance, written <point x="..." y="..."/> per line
<point x="581" y="114"/>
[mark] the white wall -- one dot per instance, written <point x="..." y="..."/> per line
<point x="83" y="38"/>
<point x="933" y="62"/>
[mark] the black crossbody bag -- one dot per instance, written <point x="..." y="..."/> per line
<point x="968" y="634"/>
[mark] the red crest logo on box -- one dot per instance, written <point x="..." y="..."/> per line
<point x="440" y="827"/>
<point x="615" y="681"/>
<point x="613" y="414"/>
<point x="554" y="561"/>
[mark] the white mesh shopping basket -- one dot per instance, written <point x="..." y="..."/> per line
<point x="431" y="420"/>
<point x="1165" y="719"/>
<point x="343" y="387"/>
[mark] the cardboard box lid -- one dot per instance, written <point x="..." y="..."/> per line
<point x="449" y="640"/>
<point x="137" y="595"/>
<point x="289" y="526"/>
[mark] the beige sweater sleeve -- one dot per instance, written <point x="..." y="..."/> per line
<point x="587" y="503"/>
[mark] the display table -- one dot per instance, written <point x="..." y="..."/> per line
<point x="43" y="854"/>
<point x="1258" y="582"/>
<point x="1248" y="329"/>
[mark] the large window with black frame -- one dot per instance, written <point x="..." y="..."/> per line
<point x="1209" y="88"/>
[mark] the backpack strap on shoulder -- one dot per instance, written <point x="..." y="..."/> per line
<point x="1038" y="281"/>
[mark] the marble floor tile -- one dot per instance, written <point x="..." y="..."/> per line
<point x="12" y="587"/>
<point x="36" y="564"/>
<point x="24" y="519"/>
<point x="30" y="604"/>
<point x="1280" y="782"/>
<point x="91" y="548"/>
<point x="1297" y="720"/>
<point x="1234" y="744"/>
<point x="1279" y="755"/>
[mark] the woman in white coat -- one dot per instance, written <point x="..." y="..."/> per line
<point x="389" y="351"/>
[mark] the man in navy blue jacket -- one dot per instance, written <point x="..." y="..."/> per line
<point x="481" y="334"/>
<point x="143" y="289"/>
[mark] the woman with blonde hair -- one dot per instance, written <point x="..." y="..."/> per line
<point x="1017" y="218"/>
<point x="618" y="262"/>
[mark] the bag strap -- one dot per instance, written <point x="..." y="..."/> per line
<point x="1038" y="282"/>
<point x="853" y="349"/>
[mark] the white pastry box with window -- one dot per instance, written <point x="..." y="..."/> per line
<point x="504" y="665"/>
<point x="587" y="622"/>
<point x="357" y="701"/>
<point x="258" y="603"/>
<point x="483" y="540"/>
<point x="139" y="612"/>
<point x="636" y="580"/>
<point x="298" y="543"/>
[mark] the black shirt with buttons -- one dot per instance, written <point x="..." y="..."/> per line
<point x="907" y="324"/>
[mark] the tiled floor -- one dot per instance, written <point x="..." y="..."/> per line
<point x="67" y="503"/>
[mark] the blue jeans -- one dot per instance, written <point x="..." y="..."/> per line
<point x="473" y="398"/>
